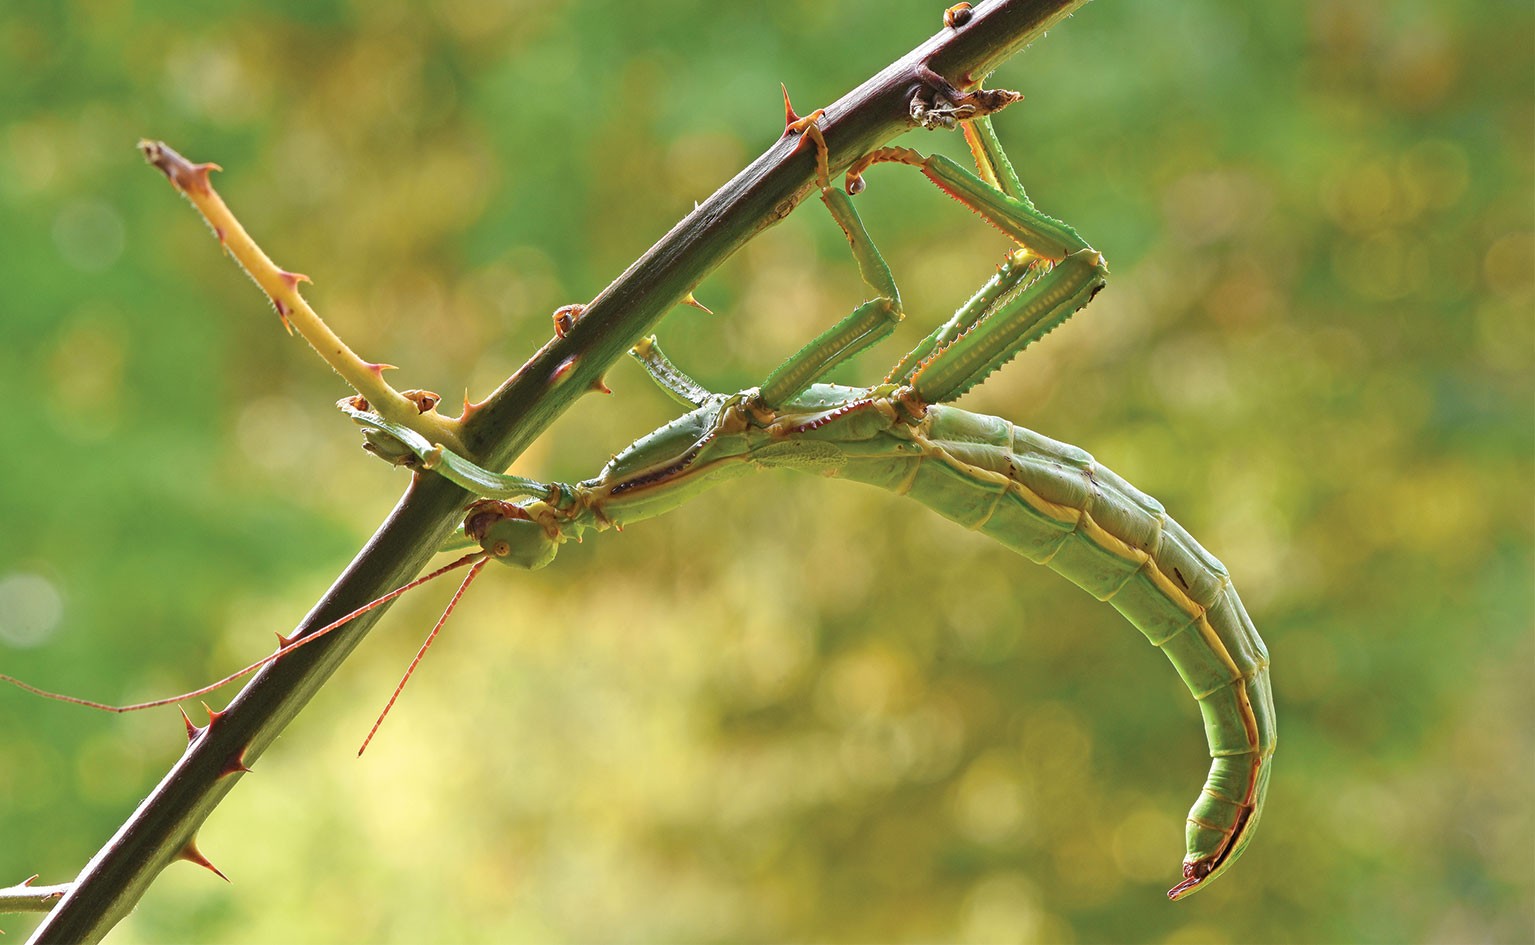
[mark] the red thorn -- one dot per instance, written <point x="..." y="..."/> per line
<point x="198" y="177"/>
<point x="283" y="641"/>
<point x="219" y="232"/>
<point x="789" y="116"/>
<point x="470" y="409"/>
<point x="235" y="764"/>
<point x="29" y="880"/>
<point x="598" y="387"/>
<point x="191" y="854"/>
<point x="293" y="278"/>
<point x="379" y="369"/>
<point x="213" y="716"/>
<point x="192" y="730"/>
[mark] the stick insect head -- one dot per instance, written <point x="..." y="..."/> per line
<point x="511" y="534"/>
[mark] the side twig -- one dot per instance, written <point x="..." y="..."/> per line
<point x="281" y="286"/>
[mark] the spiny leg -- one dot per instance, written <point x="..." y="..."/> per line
<point x="991" y="161"/>
<point x="1053" y="275"/>
<point x="387" y="436"/>
<point x="865" y="325"/>
<point x="1017" y="267"/>
<point x="1021" y="317"/>
<point x="996" y="170"/>
<point x="668" y="376"/>
<point x="1046" y="236"/>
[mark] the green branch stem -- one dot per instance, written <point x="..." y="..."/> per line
<point x="163" y="828"/>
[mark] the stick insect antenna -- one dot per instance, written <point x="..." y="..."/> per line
<point x="479" y="556"/>
<point x="421" y="653"/>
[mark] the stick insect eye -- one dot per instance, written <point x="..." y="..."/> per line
<point x="510" y="534"/>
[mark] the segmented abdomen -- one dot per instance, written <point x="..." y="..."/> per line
<point x="1053" y="504"/>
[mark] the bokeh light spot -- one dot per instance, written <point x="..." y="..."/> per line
<point x="30" y="609"/>
<point x="89" y="235"/>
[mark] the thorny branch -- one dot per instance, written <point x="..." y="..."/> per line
<point x="163" y="828"/>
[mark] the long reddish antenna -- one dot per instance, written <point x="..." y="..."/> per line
<point x="284" y="650"/>
<point x="421" y="653"/>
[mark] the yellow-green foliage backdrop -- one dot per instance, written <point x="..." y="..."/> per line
<point x="794" y="710"/>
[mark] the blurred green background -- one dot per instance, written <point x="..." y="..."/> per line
<point x="793" y="710"/>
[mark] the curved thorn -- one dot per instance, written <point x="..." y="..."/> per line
<point x="191" y="854"/>
<point x="235" y="765"/>
<point x="192" y="730"/>
<point x="789" y="116"/>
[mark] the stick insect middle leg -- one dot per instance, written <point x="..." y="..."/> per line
<point x="867" y="324"/>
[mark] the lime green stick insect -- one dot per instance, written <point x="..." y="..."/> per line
<point x="1048" y="501"/>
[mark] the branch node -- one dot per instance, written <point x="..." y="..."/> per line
<point x="423" y="399"/>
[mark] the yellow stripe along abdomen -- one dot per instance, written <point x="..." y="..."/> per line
<point x="1053" y="504"/>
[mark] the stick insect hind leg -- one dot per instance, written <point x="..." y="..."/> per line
<point x="874" y="320"/>
<point x="1208" y="644"/>
<point x="1050" y="276"/>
